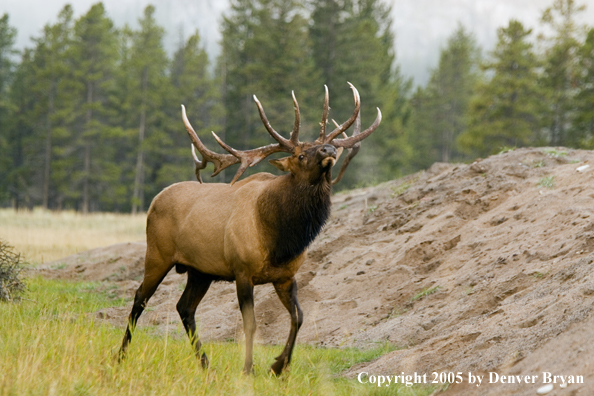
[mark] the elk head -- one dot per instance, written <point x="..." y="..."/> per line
<point x="308" y="162"/>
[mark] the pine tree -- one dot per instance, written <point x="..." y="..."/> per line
<point x="507" y="109"/>
<point x="353" y="41"/>
<point x="560" y="69"/>
<point x="148" y="62"/>
<point x="329" y="36"/>
<point x="22" y="158"/>
<point x="7" y="38"/>
<point x="123" y="120"/>
<point x="52" y="68"/>
<point x="194" y="87"/>
<point x="440" y="109"/>
<point x="583" y="123"/>
<point x="266" y="52"/>
<point x="421" y="131"/>
<point x="95" y="51"/>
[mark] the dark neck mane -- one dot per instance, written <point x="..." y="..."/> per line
<point x="293" y="215"/>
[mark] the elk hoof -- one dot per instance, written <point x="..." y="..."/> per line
<point x="277" y="367"/>
<point x="248" y="372"/>
<point x="204" y="361"/>
<point x="121" y="356"/>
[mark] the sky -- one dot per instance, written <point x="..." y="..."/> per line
<point x="421" y="26"/>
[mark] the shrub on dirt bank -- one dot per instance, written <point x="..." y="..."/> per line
<point x="11" y="266"/>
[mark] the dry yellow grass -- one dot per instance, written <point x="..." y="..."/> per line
<point x="44" y="235"/>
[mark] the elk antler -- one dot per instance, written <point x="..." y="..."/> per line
<point x="323" y="138"/>
<point x="352" y="151"/>
<point x="220" y="161"/>
<point x="353" y="143"/>
<point x="245" y="158"/>
<point x="350" y="142"/>
<point x="287" y="144"/>
<point x="252" y="157"/>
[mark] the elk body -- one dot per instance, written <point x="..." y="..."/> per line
<point x="253" y="231"/>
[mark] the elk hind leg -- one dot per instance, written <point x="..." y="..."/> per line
<point x="287" y="293"/>
<point x="245" y="295"/>
<point x="196" y="287"/>
<point x="153" y="276"/>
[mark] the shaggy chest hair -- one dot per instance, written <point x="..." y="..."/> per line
<point x="293" y="217"/>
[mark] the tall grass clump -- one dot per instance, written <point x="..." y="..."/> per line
<point x="52" y="344"/>
<point x="11" y="267"/>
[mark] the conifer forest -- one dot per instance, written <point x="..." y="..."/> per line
<point x="90" y="116"/>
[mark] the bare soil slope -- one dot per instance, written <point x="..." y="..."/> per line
<point x="481" y="267"/>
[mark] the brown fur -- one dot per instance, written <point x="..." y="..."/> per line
<point x="255" y="231"/>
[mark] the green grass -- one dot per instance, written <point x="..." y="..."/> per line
<point x="401" y="189"/>
<point x="547" y="182"/>
<point x="425" y="292"/>
<point x="538" y="164"/>
<point x="52" y="345"/>
<point x="506" y="149"/>
<point x="554" y="152"/>
<point x="537" y="275"/>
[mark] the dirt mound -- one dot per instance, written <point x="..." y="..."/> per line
<point x="124" y="261"/>
<point x="471" y="268"/>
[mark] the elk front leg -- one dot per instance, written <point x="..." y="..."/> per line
<point x="287" y="293"/>
<point x="245" y="295"/>
<point x="153" y="276"/>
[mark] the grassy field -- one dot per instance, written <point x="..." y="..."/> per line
<point x="51" y="345"/>
<point x="45" y="236"/>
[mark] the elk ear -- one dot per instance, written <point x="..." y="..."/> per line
<point x="281" y="163"/>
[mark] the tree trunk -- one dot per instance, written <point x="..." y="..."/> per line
<point x="48" y="147"/>
<point x="138" y="194"/>
<point x="87" y="160"/>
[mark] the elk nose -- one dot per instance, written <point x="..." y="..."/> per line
<point x="328" y="150"/>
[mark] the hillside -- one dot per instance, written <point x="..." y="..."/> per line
<point x="471" y="268"/>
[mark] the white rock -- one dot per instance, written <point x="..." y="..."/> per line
<point x="582" y="168"/>
<point x="543" y="390"/>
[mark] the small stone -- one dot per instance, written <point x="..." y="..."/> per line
<point x="543" y="390"/>
<point x="582" y="168"/>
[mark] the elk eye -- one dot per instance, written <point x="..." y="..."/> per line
<point x="301" y="156"/>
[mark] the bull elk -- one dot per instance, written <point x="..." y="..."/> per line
<point x="253" y="232"/>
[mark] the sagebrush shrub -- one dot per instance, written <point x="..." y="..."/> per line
<point x="11" y="267"/>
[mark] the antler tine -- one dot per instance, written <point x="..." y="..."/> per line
<point x="220" y="161"/>
<point x="198" y="163"/>
<point x="352" y="151"/>
<point x="353" y="140"/>
<point x="250" y="158"/>
<point x="295" y="133"/>
<point x="281" y="140"/>
<point x="345" y="164"/>
<point x="324" y="121"/>
<point x="348" y="122"/>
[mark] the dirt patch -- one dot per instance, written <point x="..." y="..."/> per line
<point x="481" y="267"/>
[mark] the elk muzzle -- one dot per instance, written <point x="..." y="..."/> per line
<point x="328" y="154"/>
